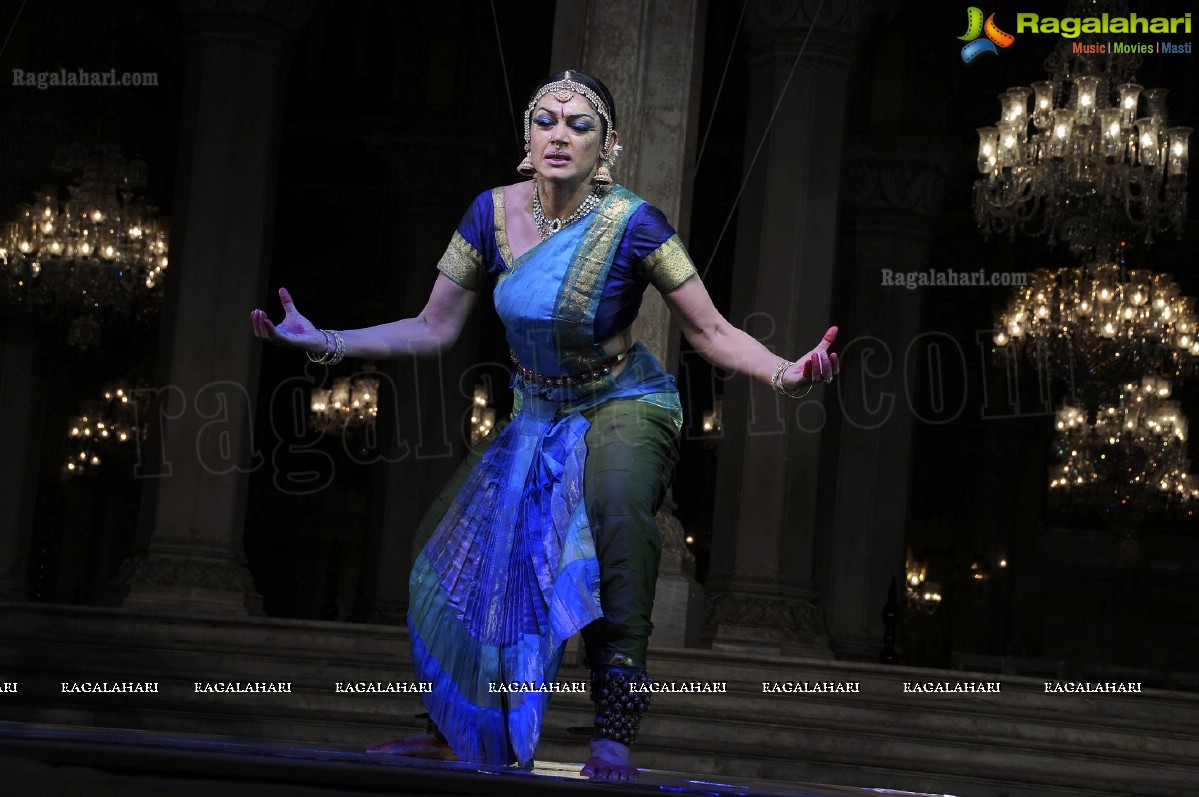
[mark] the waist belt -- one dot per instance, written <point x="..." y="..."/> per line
<point x="539" y="380"/>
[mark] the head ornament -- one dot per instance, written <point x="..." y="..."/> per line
<point x="563" y="90"/>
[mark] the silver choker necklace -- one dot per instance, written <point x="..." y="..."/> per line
<point x="547" y="226"/>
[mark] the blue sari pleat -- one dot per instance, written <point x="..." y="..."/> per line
<point x="498" y="590"/>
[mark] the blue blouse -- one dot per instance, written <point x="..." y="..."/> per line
<point x="649" y="253"/>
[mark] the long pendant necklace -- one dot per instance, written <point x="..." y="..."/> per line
<point x="547" y="226"/>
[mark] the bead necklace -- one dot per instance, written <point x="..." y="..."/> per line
<point x="547" y="226"/>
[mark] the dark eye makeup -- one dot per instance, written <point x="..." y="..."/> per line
<point x="580" y="123"/>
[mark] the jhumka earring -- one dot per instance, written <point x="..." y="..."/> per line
<point x="526" y="165"/>
<point x="603" y="175"/>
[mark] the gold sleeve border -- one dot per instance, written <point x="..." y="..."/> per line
<point x="462" y="263"/>
<point x="669" y="266"/>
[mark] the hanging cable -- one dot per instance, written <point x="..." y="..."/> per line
<point x="716" y="102"/>
<point x="765" y="134"/>
<point x="12" y="27"/>
<point x="499" y="43"/>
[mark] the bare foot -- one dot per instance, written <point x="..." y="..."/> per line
<point x="418" y="745"/>
<point x="609" y="761"/>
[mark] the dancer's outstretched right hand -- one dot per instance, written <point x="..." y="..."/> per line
<point x="294" y="331"/>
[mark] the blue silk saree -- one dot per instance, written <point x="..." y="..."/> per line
<point x="510" y="572"/>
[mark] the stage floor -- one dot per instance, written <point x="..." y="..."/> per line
<point x="48" y="759"/>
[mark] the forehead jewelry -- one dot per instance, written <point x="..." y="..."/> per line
<point x="563" y="90"/>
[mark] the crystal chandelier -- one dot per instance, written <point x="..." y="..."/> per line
<point x="1087" y="158"/>
<point x="713" y="420"/>
<point x="1089" y="161"/>
<point x="103" y="428"/>
<point x="1103" y="322"/>
<point x="98" y="254"/>
<point x="1132" y="458"/>
<point x="922" y="595"/>
<point x="348" y="406"/>
<point x="482" y="414"/>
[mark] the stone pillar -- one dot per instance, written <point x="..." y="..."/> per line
<point x="760" y="594"/>
<point x="237" y="55"/>
<point x="650" y="55"/>
<point x="425" y="398"/>
<point x="892" y="191"/>
<point x="20" y="394"/>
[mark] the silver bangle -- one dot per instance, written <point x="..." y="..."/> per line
<point x="335" y="348"/>
<point x="340" y="352"/>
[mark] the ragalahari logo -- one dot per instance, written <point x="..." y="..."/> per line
<point x="975" y="26"/>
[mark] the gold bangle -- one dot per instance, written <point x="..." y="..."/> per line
<point x="323" y="357"/>
<point x="777" y="375"/>
<point x="776" y="382"/>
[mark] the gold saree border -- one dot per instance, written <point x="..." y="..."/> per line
<point x="500" y="223"/>
<point x="580" y="290"/>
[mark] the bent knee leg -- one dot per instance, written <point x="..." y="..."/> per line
<point x="630" y="461"/>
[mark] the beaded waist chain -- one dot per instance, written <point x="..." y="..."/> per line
<point x="538" y="380"/>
